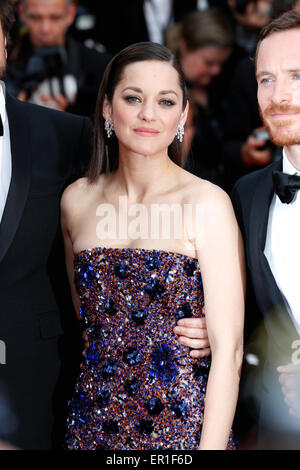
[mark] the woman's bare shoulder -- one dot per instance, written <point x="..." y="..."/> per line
<point x="199" y="190"/>
<point x="74" y="193"/>
<point x="78" y="194"/>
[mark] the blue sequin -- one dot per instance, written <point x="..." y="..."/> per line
<point x="110" y="308"/>
<point x="145" y="426"/>
<point x="184" y="311"/>
<point x="190" y="267"/>
<point x="152" y="262"/>
<point x="139" y="316"/>
<point x="121" y="270"/>
<point x="86" y="275"/>
<point x="132" y="356"/>
<point x="154" y="288"/>
<point x="92" y="354"/>
<point x="132" y="387"/>
<point x="154" y="406"/>
<point x="108" y="369"/>
<point x="102" y="398"/>
<point x="163" y="367"/>
<point x="178" y="408"/>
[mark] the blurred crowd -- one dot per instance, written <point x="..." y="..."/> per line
<point x="59" y="50"/>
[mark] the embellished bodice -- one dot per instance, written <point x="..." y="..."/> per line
<point x="139" y="388"/>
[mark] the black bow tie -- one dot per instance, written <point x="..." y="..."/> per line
<point x="1" y="126"/>
<point x="285" y="185"/>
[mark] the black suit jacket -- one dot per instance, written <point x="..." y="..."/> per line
<point x="48" y="148"/>
<point x="251" y="197"/>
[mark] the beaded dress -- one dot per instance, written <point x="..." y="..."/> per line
<point x="138" y="388"/>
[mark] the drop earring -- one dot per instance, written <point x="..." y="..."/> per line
<point x="180" y="132"/>
<point x="109" y="127"/>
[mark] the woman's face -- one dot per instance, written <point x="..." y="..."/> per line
<point x="146" y="107"/>
<point x="203" y="64"/>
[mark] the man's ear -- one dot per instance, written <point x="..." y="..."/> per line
<point x="72" y="10"/>
<point x="106" y="109"/>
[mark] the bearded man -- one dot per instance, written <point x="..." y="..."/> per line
<point x="267" y="206"/>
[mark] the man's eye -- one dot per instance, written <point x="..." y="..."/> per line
<point x="265" y="80"/>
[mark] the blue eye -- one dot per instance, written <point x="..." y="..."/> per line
<point x="297" y="76"/>
<point x="132" y="99"/>
<point x="166" y="102"/>
<point x="265" y="80"/>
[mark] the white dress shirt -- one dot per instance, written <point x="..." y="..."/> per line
<point x="282" y="248"/>
<point x="5" y="153"/>
<point x="158" y="15"/>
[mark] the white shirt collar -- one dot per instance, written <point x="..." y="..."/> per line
<point x="287" y="166"/>
<point x="2" y="101"/>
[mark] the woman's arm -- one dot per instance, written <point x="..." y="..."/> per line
<point x="66" y="204"/>
<point x="221" y="258"/>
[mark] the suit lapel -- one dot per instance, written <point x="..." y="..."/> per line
<point x="269" y="297"/>
<point x="20" y="180"/>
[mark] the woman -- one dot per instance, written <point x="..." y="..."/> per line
<point x="203" y="43"/>
<point x="139" y="388"/>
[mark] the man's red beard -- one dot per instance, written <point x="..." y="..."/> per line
<point x="276" y="129"/>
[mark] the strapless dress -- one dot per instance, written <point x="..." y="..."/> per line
<point x="138" y="389"/>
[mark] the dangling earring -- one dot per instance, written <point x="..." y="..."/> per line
<point x="180" y="132"/>
<point x="109" y="127"/>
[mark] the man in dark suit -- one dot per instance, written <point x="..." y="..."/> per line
<point x="267" y="206"/>
<point x="40" y="151"/>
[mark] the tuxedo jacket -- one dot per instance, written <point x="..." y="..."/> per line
<point x="48" y="150"/>
<point x="251" y="198"/>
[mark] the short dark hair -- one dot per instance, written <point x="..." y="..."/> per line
<point x="285" y="22"/>
<point x="105" y="157"/>
<point x="6" y="16"/>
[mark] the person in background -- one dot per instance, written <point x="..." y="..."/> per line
<point x="246" y="146"/>
<point x="249" y="17"/>
<point x="281" y="6"/>
<point x="203" y="42"/>
<point x="47" y="66"/>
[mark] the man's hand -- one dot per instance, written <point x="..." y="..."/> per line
<point x="23" y="96"/>
<point x="193" y="333"/>
<point x="58" y="102"/>
<point x="289" y="379"/>
<point x="252" y="154"/>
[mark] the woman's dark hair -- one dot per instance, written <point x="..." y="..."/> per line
<point x="105" y="155"/>
<point x="6" y="16"/>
